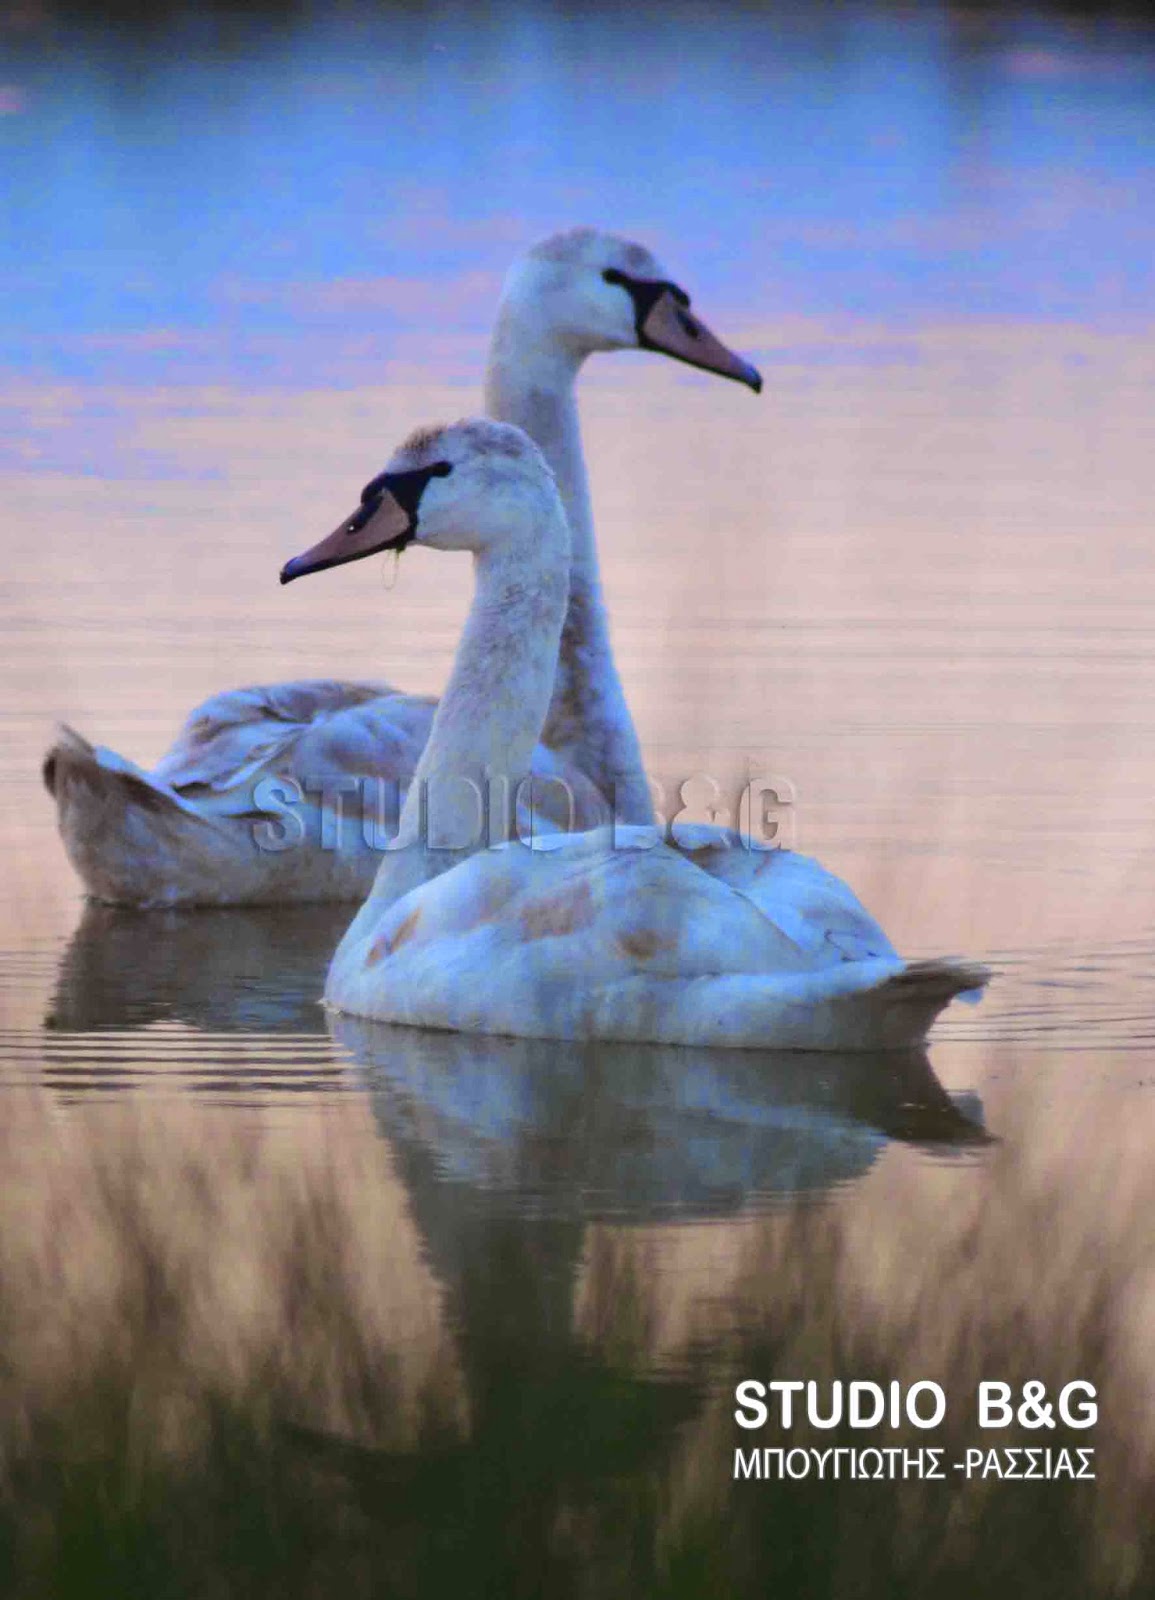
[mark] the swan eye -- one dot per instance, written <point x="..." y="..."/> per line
<point x="360" y="517"/>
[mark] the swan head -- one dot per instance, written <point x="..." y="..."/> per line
<point x="589" y="291"/>
<point x="472" y="485"/>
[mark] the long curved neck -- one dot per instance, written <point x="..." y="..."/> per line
<point x="490" y="717"/>
<point x="530" y="381"/>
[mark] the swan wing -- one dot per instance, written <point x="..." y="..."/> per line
<point x="309" y="732"/>
<point x="315" y="731"/>
<point x="819" y="912"/>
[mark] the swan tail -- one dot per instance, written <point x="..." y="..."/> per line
<point x="132" y="840"/>
<point x="907" y="1003"/>
<point x="73" y="760"/>
<point x="845" y="1007"/>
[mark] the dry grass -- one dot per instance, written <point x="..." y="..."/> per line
<point x="183" y="1301"/>
<point x="1041" y="1266"/>
<point x="225" y="1367"/>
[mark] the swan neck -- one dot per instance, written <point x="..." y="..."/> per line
<point x="530" y="381"/>
<point x="490" y="717"/>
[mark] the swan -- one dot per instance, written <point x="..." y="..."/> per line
<point x="235" y="812"/>
<point x="476" y="925"/>
<point x="654" y="1132"/>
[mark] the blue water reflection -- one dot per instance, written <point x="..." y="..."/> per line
<point x="178" y="200"/>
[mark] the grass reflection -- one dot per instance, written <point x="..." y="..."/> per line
<point x="228" y="1362"/>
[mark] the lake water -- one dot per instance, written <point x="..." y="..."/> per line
<point x="914" y="578"/>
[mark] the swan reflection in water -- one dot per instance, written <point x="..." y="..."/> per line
<point x="523" y="1160"/>
<point x="607" y="1130"/>
<point x="251" y="970"/>
<point x="638" y="1131"/>
<point x="222" y="1004"/>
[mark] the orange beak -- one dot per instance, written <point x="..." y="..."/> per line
<point x="380" y="524"/>
<point x="670" y="327"/>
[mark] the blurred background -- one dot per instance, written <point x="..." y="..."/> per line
<point x="245" y="250"/>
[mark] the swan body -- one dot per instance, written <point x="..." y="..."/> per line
<point x="250" y="767"/>
<point x="611" y="933"/>
<point x="603" y="942"/>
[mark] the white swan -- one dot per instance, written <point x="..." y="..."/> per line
<point x="195" y="829"/>
<point x="591" y="935"/>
